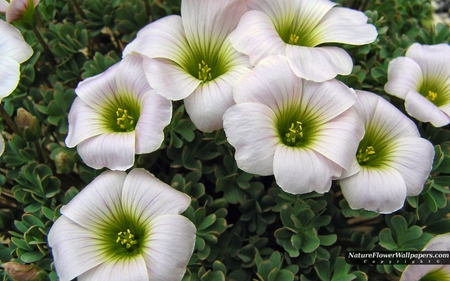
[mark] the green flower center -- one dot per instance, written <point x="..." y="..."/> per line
<point x="295" y="134"/>
<point x="204" y="72"/>
<point x="125" y="122"/>
<point x="439" y="274"/>
<point x="363" y="157"/>
<point x="435" y="90"/>
<point x="127" y="240"/>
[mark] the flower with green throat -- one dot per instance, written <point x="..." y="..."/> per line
<point x="190" y="58"/>
<point x="117" y="115"/>
<point x="302" y="30"/>
<point x="123" y="228"/>
<point x="392" y="160"/>
<point x="302" y="132"/>
<point x="422" y="79"/>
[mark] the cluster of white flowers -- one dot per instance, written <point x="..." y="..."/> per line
<point x="259" y="70"/>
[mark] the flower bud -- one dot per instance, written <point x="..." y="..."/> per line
<point x="25" y="272"/>
<point x="23" y="11"/>
<point x="28" y="125"/>
<point x="64" y="163"/>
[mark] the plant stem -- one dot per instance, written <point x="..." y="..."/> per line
<point x="9" y="120"/>
<point x="79" y="9"/>
<point x="44" y="45"/>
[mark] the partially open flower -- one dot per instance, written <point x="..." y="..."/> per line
<point x="191" y="58"/>
<point x="301" y="131"/>
<point x="422" y="79"/>
<point x="392" y="160"/>
<point x="123" y="228"/>
<point x="297" y="29"/>
<point x="430" y="272"/>
<point x="18" y="9"/>
<point x="13" y="51"/>
<point x="117" y="115"/>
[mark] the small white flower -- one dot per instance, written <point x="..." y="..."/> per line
<point x="301" y="131"/>
<point x="117" y="115"/>
<point x="297" y="29"/>
<point x="422" y="79"/>
<point x="392" y="160"/>
<point x="191" y="58"/>
<point x="123" y="228"/>
<point x="430" y="272"/>
<point x="13" y="51"/>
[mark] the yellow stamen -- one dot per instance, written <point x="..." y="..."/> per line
<point x="295" y="133"/>
<point x="293" y="39"/>
<point x="204" y="73"/>
<point x="126" y="239"/>
<point x="431" y="96"/>
<point x="124" y="121"/>
<point x="363" y="157"/>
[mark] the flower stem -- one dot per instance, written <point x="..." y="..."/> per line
<point x="43" y="158"/>
<point x="44" y="45"/>
<point x="79" y="9"/>
<point x="9" y="120"/>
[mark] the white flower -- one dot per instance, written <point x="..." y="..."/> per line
<point x="117" y="115"/>
<point x="2" y="145"/>
<point x="422" y="79"/>
<point x="392" y="161"/>
<point x="301" y="131"/>
<point x="16" y="8"/>
<point x="191" y="58"/>
<point x="13" y="51"/>
<point x="430" y="272"/>
<point x="297" y="29"/>
<point x="123" y="228"/>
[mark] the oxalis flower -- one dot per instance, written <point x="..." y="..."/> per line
<point x="301" y="131"/>
<point x="13" y="51"/>
<point x="191" y="58"/>
<point x="430" y="272"/>
<point x="422" y="79"/>
<point x="117" y="115"/>
<point x="297" y="29"/>
<point x="392" y="160"/>
<point x="123" y="227"/>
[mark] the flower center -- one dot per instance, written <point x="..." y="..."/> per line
<point x="440" y="274"/>
<point x="363" y="157"/>
<point x="295" y="134"/>
<point x="127" y="240"/>
<point x="431" y="96"/>
<point x="204" y="72"/>
<point x="124" y="121"/>
<point x="293" y="39"/>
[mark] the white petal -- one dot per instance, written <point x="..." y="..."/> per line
<point x="208" y="23"/>
<point x="300" y="171"/>
<point x="412" y="158"/>
<point x="75" y="248"/>
<point x="344" y="25"/>
<point x="404" y="75"/>
<point x="423" y="110"/>
<point x="383" y="120"/>
<point x="145" y="197"/>
<point x="126" y="269"/>
<point x="319" y="63"/>
<point x="84" y="123"/>
<point x="99" y="91"/>
<point x="12" y="43"/>
<point x="251" y="130"/>
<point x="417" y="271"/>
<point x="256" y="37"/>
<point x="112" y="150"/>
<point x="338" y="139"/>
<point x="156" y="113"/>
<point x="9" y="75"/>
<point x="169" y="247"/>
<point x="2" y="145"/>
<point x="380" y="190"/>
<point x="169" y="79"/>
<point x="164" y="38"/>
<point x="210" y="100"/>
<point x="434" y="60"/>
<point x="130" y="77"/>
<point x="3" y="6"/>
<point x="17" y="8"/>
<point x="99" y="203"/>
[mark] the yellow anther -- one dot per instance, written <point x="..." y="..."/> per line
<point x="126" y="238"/>
<point x="431" y="96"/>
<point x="295" y="133"/>
<point x="363" y="157"/>
<point x="204" y="73"/>
<point x="293" y="39"/>
<point x="124" y="121"/>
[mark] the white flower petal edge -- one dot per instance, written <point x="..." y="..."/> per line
<point x="2" y="145"/>
<point x="3" y="6"/>
<point x="417" y="271"/>
<point x="130" y="269"/>
<point x="423" y="110"/>
<point x="9" y="76"/>
<point x="299" y="171"/>
<point x="169" y="247"/>
<point x="250" y="128"/>
<point x="75" y="248"/>
<point x="404" y="74"/>
<point x="380" y="190"/>
<point x="12" y="43"/>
